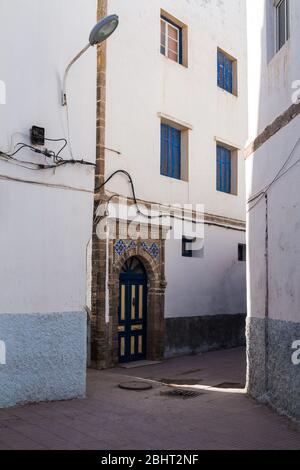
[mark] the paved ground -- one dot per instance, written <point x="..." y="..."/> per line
<point x="111" y="418"/>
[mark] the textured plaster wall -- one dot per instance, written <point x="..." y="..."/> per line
<point x="272" y="376"/>
<point x="273" y="228"/>
<point x="45" y="357"/>
<point x="201" y="334"/>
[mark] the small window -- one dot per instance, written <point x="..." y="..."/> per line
<point x="171" y="40"/>
<point x="282" y="23"/>
<point x="187" y="247"/>
<point x="170" y="151"/>
<point x="227" y="72"/>
<point x="192" y="247"/>
<point x="242" y="252"/>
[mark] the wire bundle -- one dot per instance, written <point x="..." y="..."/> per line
<point x="58" y="161"/>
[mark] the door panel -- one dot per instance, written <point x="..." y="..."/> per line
<point x="132" y="318"/>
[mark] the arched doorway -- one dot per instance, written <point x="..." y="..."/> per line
<point x="132" y="315"/>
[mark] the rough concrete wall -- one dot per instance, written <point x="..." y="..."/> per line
<point x="188" y="335"/>
<point x="272" y="375"/>
<point x="45" y="357"/>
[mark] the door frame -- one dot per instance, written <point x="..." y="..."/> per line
<point x="155" y="300"/>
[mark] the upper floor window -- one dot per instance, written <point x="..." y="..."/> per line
<point x="170" y="152"/>
<point x="227" y="169"/>
<point x="171" y="40"/>
<point x="227" y="72"/>
<point x="282" y="23"/>
<point x="242" y="252"/>
<point x="223" y="169"/>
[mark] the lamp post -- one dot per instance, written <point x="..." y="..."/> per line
<point x="99" y="33"/>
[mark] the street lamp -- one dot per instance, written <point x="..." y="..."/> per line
<point x="99" y="33"/>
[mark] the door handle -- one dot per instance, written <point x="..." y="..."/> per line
<point x="133" y="302"/>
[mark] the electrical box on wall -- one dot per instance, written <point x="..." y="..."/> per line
<point x="37" y="135"/>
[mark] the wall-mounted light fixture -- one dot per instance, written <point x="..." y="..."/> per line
<point x="99" y="33"/>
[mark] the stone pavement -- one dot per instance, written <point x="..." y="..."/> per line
<point x="111" y="418"/>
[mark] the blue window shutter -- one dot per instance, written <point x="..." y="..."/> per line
<point x="176" y="153"/>
<point x="164" y="150"/>
<point x="225" y="72"/>
<point x="220" y="69"/>
<point x="223" y="169"/>
<point x="170" y="152"/>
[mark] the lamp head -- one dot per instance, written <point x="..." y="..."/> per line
<point x="103" y="29"/>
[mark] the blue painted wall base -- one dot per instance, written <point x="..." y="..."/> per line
<point x="45" y="357"/>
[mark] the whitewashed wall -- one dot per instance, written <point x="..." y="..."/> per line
<point x="45" y="216"/>
<point x="142" y="83"/>
<point x="212" y="285"/>
<point x="270" y="94"/>
<point x="44" y="231"/>
<point x="273" y="225"/>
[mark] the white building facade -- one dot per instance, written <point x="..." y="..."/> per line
<point x="273" y="203"/>
<point x="162" y="105"/>
<point x="173" y="94"/>
<point x="46" y="214"/>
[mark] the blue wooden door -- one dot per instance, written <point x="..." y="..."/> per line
<point x="132" y="328"/>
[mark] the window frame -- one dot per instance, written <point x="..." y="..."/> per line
<point x="167" y="22"/>
<point x="278" y="4"/>
<point x="234" y="167"/>
<point x="171" y="171"/>
<point x="233" y="90"/>
<point x="224" y="188"/>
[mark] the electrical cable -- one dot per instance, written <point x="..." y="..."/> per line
<point x="47" y="153"/>
<point x="57" y="158"/>
<point x="149" y="217"/>
<point x="260" y="194"/>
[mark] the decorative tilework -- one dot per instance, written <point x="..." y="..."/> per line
<point x="131" y="245"/>
<point x="145" y="246"/>
<point x="122" y="246"/>
<point x="153" y="249"/>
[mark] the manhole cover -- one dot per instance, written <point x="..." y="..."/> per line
<point x="135" y="386"/>
<point x="180" y="393"/>
<point x="226" y="385"/>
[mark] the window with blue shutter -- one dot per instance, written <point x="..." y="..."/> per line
<point x="224" y="160"/>
<point x="225" y="72"/>
<point x="170" y="152"/>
